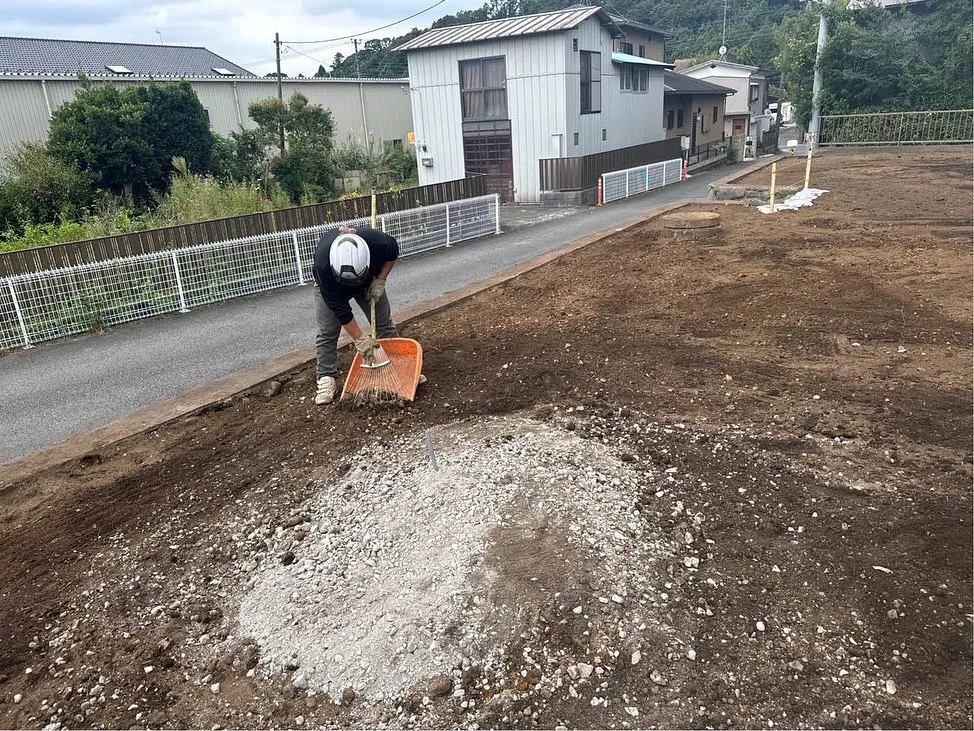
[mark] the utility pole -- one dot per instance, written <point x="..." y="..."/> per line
<point x="723" y="36"/>
<point x="280" y="88"/>
<point x="815" y="124"/>
<point x="358" y="72"/>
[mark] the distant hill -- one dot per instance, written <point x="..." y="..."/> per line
<point x="696" y="27"/>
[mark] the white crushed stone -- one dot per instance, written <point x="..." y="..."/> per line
<point x="391" y="586"/>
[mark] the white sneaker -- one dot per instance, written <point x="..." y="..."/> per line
<point x="326" y="390"/>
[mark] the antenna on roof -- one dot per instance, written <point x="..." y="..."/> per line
<point x="159" y="33"/>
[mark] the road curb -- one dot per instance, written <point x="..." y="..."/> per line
<point x="199" y="399"/>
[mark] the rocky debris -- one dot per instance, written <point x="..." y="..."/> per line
<point x="535" y="568"/>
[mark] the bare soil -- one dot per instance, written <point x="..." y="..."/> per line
<point x="810" y="370"/>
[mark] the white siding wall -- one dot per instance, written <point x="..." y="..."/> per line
<point x="24" y="117"/>
<point x="535" y="105"/>
<point x="543" y="103"/>
<point x="736" y="79"/>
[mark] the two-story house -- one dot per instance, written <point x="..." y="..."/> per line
<point x="534" y="102"/>
<point x="744" y="115"/>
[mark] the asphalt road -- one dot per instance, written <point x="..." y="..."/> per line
<point x="59" y="389"/>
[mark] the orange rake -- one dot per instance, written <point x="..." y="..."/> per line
<point x="396" y="379"/>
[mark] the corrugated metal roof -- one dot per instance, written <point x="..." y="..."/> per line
<point x="639" y="60"/>
<point x="623" y="22"/>
<point x="50" y="57"/>
<point x="510" y="27"/>
<point x="674" y="83"/>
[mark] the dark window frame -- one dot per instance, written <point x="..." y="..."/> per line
<point x="590" y="83"/>
<point x="670" y="114"/>
<point x="625" y="47"/>
<point x="468" y="95"/>
<point x="680" y="118"/>
<point x="716" y="107"/>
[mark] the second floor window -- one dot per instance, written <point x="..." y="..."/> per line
<point x="483" y="88"/>
<point x="625" y="47"/>
<point x="590" y="79"/>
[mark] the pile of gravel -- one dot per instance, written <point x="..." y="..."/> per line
<point x="402" y="571"/>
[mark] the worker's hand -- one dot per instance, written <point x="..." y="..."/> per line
<point x="366" y="345"/>
<point x="376" y="290"/>
<point x="343" y="229"/>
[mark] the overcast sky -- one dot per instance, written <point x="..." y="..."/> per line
<point x="240" y="30"/>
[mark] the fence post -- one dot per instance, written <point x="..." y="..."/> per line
<point x="497" y="213"/>
<point x="808" y="169"/>
<point x="179" y="284"/>
<point x="627" y="183"/>
<point x="774" y="177"/>
<point x="647" y="178"/>
<point x="447" y="205"/>
<point x="20" y="315"/>
<point x="382" y="224"/>
<point x="297" y="258"/>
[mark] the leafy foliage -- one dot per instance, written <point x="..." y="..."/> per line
<point x="124" y="138"/>
<point x="37" y="187"/>
<point x="99" y="131"/>
<point x="174" y="124"/>
<point x="305" y="168"/>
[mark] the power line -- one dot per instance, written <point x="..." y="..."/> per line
<point x="373" y="30"/>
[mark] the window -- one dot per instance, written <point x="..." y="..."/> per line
<point x="625" y="47"/>
<point x="575" y="138"/>
<point x="625" y="77"/>
<point x="715" y="113"/>
<point x="679" y="119"/>
<point x="604" y="134"/>
<point x="590" y="76"/>
<point x="392" y="145"/>
<point x="483" y="88"/>
<point x="642" y="52"/>
<point x="574" y="44"/>
<point x="669" y="119"/>
<point x="641" y="81"/>
<point x="755" y="92"/>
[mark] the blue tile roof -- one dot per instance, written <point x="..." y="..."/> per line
<point x="49" y="57"/>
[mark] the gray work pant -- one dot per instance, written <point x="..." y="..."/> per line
<point x="329" y="328"/>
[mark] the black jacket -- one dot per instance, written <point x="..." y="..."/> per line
<point x="382" y="249"/>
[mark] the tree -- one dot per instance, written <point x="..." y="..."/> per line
<point x="99" y="132"/>
<point x="305" y="169"/>
<point x="321" y="73"/>
<point x="238" y="157"/>
<point x="174" y="125"/>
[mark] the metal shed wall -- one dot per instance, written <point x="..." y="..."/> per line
<point x="386" y="105"/>
<point x="535" y="68"/>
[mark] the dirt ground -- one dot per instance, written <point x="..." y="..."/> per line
<point x="789" y="408"/>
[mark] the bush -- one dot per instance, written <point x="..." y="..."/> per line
<point x="37" y="188"/>
<point x="200" y="198"/>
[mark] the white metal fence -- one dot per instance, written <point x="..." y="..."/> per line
<point x="898" y="128"/>
<point x="59" y="302"/>
<point x="633" y="181"/>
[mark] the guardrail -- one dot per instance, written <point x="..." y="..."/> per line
<point x="59" y="302"/>
<point x="621" y="184"/>
<point x="951" y="126"/>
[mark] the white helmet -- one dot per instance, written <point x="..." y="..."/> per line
<point x="349" y="259"/>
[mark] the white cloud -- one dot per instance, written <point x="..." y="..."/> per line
<point x="241" y="31"/>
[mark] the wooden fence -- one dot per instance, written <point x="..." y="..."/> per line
<point x="578" y="173"/>
<point x="56" y="256"/>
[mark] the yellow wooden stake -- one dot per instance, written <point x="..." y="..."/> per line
<point x="373" y="208"/>
<point x="808" y="169"/>
<point x="774" y="179"/>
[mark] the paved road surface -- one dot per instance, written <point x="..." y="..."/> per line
<point x="71" y="386"/>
